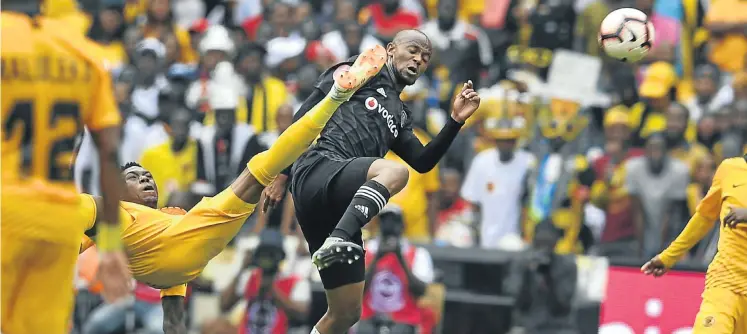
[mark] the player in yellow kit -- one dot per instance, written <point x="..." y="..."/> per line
<point x="51" y="87"/>
<point x="167" y="250"/>
<point x="724" y="306"/>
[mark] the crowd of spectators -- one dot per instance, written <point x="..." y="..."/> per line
<point x="204" y="85"/>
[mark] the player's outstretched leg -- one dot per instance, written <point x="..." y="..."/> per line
<point x="297" y="138"/>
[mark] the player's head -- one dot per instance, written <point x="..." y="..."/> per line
<point x="409" y="54"/>
<point x="140" y="186"/>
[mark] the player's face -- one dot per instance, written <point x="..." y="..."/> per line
<point x="410" y="57"/>
<point x="141" y="187"/>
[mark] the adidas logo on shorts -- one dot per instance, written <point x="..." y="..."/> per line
<point x="362" y="209"/>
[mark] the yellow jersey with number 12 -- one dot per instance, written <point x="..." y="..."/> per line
<point x="52" y="85"/>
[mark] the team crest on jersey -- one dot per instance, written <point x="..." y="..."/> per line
<point x="403" y="119"/>
<point x="709" y="321"/>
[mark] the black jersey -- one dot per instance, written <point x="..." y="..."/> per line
<point x="372" y="122"/>
<point x="368" y="124"/>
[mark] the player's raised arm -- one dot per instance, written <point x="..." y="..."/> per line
<point x="706" y="214"/>
<point x="103" y="120"/>
<point x="424" y="158"/>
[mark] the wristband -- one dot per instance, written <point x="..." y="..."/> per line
<point x="109" y="237"/>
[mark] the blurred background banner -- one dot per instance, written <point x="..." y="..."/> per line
<point x="663" y="305"/>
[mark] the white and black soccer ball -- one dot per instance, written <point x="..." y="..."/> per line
<point x="626" y="35"/>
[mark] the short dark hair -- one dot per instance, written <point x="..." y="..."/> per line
<point x="130" y="164"/>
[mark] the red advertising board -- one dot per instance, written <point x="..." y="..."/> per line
<point x="636" y="304"/>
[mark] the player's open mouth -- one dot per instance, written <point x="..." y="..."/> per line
<point x="149" y="188"/>
<point x="412" y="70"/>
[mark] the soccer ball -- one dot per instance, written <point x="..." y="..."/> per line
<point x="626" y="35"/>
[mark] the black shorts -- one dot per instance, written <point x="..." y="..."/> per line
<point x="322" y="189"/>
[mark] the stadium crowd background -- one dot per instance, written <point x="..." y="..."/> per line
<point x="206" y="84"/>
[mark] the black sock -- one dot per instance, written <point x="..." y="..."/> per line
<point x="366" y="204"/>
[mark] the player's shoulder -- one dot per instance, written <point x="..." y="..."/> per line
<point x="75" y="43"/>
<point x="732" y="164"/>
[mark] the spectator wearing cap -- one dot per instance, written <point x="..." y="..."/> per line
<point x="659" y="90"/>
<point x="159" y="20"/>
<point x="387" y="17"/>
<point x="261" y="94"/>
<point x="275" y="298"/>
<point x="225" y="146"/>
<point x="419" y="198"/>
<point x="463" y="49"/>
<point x="108" y="31"/>
<point x="495" y="184"/>
<point x="608" y="193"/>
<point x="657" y="185"/>
<point x="215" y="71"/>
<point x="149" y="83"/>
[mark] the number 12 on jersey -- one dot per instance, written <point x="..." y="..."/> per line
<point x="32" y="134"/>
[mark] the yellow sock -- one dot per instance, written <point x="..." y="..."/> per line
<point x="292" y="142"/>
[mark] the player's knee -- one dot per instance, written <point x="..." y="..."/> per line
<point x="394" y="176"/>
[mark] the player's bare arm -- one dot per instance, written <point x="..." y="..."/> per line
<point x="113" y="270"/>
<point x="174" y="315"/>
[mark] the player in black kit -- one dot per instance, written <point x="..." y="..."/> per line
<point x="342" y="182"/>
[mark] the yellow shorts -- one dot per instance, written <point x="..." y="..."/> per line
<point x="722" y="312"/>
<point x="196" y="238"/>
<point x="37" y="286"/>
<point x="40" y="243"/>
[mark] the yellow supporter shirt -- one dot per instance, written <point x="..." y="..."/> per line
<point x="728" y="269"/>
<point x="172" y="170"/>
<point x="413" y="198"/>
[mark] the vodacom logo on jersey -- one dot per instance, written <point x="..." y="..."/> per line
<point x="373" y="105"/>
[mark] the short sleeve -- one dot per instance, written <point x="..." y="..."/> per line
<point x="710" y="206"/>
<point x="179" y="290"/>
<point x="103" y="111"/>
